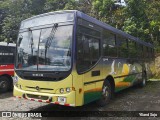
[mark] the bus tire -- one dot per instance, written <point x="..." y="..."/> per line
<point x="144" y="80"/>
<point x="4" y="84"/>
<point x="106" y="94"/>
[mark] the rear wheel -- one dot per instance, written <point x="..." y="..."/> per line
<point x="4" y="84"/>
<point x="106" y="94"/>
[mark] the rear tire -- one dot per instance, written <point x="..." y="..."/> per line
<point x="4" y="84"/>
<point x="106" y="94"/>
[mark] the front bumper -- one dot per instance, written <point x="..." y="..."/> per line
<point x="51" y="98"/>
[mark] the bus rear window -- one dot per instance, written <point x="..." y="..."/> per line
<point x="7" y="55"/>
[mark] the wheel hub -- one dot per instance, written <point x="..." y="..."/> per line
<point x="105" y="92"/>
<point x="2" y="84"/>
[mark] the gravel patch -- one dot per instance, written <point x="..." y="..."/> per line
<point x="131" y="99"/>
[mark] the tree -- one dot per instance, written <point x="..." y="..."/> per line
<point x="139" y="18"/>
<point x="53" y="5"/>
<point x="137" y="23"/>
<point x="15" y="12"/>
<point x="154" y="21"/>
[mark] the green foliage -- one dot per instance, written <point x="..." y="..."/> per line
<point x="53" y="5"/>
<point x="103" y="9"/>
<point x="139" y="18"/>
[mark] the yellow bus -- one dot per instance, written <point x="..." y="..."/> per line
<point x="71" y="59"/>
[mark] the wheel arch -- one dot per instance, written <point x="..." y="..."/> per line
<point x="110" y="79"/>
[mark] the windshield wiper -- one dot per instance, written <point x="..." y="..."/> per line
<point x="19" y="40"/>
<point x="31" y="40"/>
<point x="51" y="36"/>
<point x="50" y="39"/>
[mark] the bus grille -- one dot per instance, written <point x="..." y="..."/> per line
<point x="37" y="97"/>
<point x="39" y="88"/>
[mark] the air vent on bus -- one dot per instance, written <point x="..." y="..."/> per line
<point x="37" y="97"/>
<point x="40" y="88"/>
<point x="47" y="76"/>
<point x="43" y="78"/>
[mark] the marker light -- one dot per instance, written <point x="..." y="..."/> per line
<point x="61" y="90"/>
<point x="68" y="89"/>
<point x="15" y="80"/>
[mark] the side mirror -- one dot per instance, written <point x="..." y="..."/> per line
<point x="20" y="40"/>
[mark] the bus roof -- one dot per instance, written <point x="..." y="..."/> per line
<point x="97" y="22"/>
<point x="50" y="13"/>
<point x="7" y="44"/>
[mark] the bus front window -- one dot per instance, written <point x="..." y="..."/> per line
<point x="27" y="50"/>
<point x="47" y="49"/>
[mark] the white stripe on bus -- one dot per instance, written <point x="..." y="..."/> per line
<point x="7" y="70"/>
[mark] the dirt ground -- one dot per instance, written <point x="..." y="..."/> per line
<point x="131" y="99"/>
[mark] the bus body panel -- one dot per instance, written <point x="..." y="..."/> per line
<point x="38" y="96"/>
<point x="93" y="81"/>
<point x="7" y="52"/>
<point x="124" y="72"/>
<point x="7" y="69"/>
<point x="79" y="88"/>
<point x="46" y="88"/>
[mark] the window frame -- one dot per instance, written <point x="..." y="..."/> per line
<point x="125" y="40"/>
<point x="100" y="43"/>
<point x="135" y="48"/>
<point x="115" y="41"/>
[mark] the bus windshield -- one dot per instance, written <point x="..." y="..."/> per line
<point x="46" y="49"/>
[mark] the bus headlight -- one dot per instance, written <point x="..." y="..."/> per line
<point x="61" y="90"/>
<point x="68" y="89"/>
<point x="15" y="80"/>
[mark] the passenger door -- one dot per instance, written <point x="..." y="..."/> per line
<point x="88" y="58"/>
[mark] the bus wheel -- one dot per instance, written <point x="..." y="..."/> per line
<point x="4" y="84"/>
<point x="106" y="94"/>
<point x="144" y="79"/>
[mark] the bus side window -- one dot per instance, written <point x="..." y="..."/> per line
<point x="139" y="51"/>
<point x="152" y="54"/>
<point x="88" y="49"/>
<point x="141" y="46"/>
<point x="148" y="49"/>
<point x="122" y="47"/>
<point x="132" y="49"/>
<point x="147" y="53"/>
<point x="109" y="44"/>
<point x="144" y="52"/>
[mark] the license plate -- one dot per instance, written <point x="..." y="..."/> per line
<point x="62" y="99"/>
